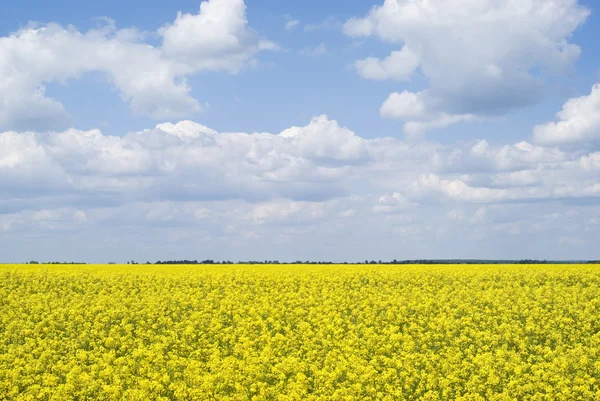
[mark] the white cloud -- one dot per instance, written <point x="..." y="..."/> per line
<point x="152" y="80"/>
<point x="321" y="160"/>
<point x="325" y="140"/>
<point x="237" y="229"/>
<point x="291" y="24"/>
<point x="26" y="166"/>
<point x="591" y="161"/>
<point x="289" y="212"/>
<point x="319" y="185"/>
<point x="442" y="120"/>
<point x="517" y="178"/>
<point x="578" y="121"/>
<point x="517" y="156"/>
<point x="459" y="190"/>
<point x="399" y="65"/>
<point x="185" y="160"/>
<point x="217" y="38"/>
<point x="392" y="203"/>
<point x="327" y="23"/>
<point x="147" y="81"/>
<point x="413" y="108"/>
<point x="475" y="64"/>
<point x="406" y="105"/>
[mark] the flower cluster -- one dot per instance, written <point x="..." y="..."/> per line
<point x="266" y="332"/>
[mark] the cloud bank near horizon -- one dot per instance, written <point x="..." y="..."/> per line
<point x="322" y="177"/>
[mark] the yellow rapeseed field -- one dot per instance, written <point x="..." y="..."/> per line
<point x="290" y="332"/>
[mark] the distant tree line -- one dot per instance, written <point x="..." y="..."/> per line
<point x="366" y="262"/>
<point x="35" y="262"/>
<point x="191" y="262"/>
<point x="308" y="262"/>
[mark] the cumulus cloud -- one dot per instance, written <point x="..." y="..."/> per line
<point x="514" y="157"/>
<point x="399" y="65"/>
<point x="185" y="160"/>
<point x="315" y="190"/>
<point x="459" y="190"/>
<point x="36" y="55"/>
<point x="578" y="121"/>
<point x="406" y="105"/>
<point x="321" y="185"/>
<point x="152" y="80"/>
<point x="322" y="160"/>
<point x="475" y="65"/>
<point x="324" y="139"/>
<point x="217" y="38"/>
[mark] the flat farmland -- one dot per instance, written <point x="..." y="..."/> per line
<point x="300" y="332"/>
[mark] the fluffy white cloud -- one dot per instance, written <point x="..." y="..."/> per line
<point x="406" y="105"/>
<point x="152" y="80"/>
<point x="578" y="121"/>
<point x="186" y="160"/>
<point x="325" y="140"/>
<point x="322" y="160"/>
<point x="475" y="63"/>
<point x="179" y="185"/>
<point x="217" y="38"/>
<point x="27" y="167"/>
<point x="420" y="116"/>
<point x="459" y="190"/>
<point x="399" y="65"/>
<point x="515" y="157"/>
<point x="37" y="55"/>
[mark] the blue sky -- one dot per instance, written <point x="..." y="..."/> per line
<point x="476" y="162"/>
<point x="253" y="100"/>
<point x="236" y="102"/>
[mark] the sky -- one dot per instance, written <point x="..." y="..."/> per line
<point x="269" y="130"/>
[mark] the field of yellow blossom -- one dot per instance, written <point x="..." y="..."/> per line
<point x="292" y="332"/>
